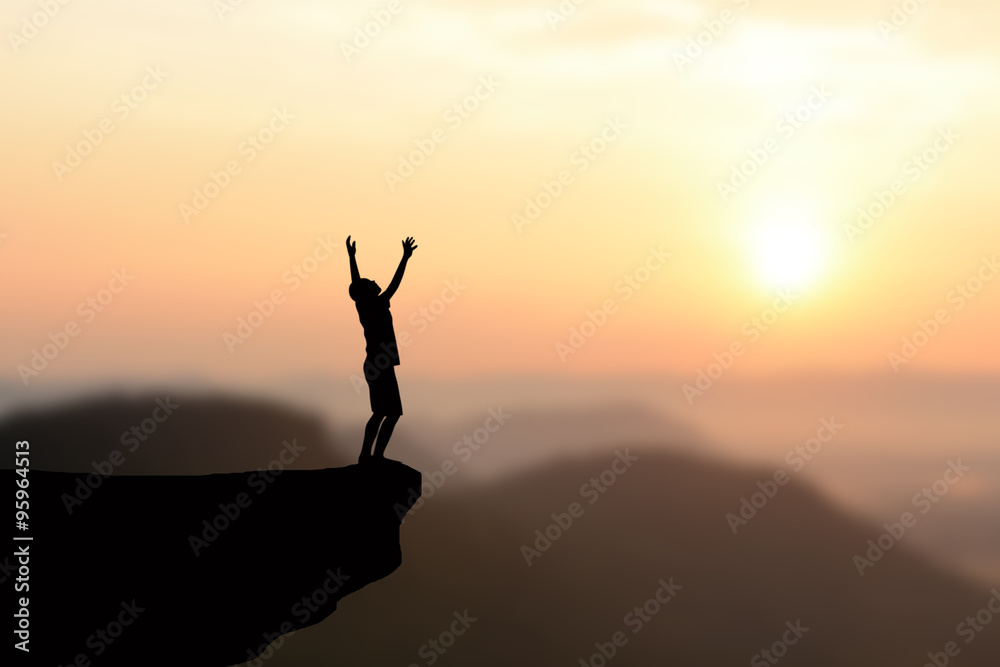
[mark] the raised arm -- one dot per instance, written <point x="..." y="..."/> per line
<point x="352" y="249"/>
<point x="408" y="249"/>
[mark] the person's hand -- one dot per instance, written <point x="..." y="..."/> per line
<point x="352" y="248"/>
<point x="408" y="247"/>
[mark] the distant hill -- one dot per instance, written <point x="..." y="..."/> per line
<point x="167" y="434"/>
<point x="663" y="519"/>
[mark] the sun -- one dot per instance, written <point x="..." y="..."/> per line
<point x="789" y="247"/>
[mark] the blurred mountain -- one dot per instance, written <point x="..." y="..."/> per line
<point x="164" y="434"/>
<point x="527" y="438"/>
<point x="662" y="521"/>
<point x="660" y="528"/>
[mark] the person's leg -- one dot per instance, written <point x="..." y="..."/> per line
<point x="371" y="428"/>
<point x="392" y="408"/>
<point x="384" y="434"/>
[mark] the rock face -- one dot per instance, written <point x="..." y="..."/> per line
<point x="203" y="570"/>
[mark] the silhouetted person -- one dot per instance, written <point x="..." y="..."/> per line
<point x="382" y="353"/>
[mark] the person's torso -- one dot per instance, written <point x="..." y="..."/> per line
<point x="380" y="337"/>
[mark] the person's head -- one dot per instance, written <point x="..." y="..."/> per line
<point x="364" y="289"/>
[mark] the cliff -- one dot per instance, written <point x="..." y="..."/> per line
<point x="204" y="570"/>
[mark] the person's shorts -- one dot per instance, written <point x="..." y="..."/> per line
<point x="383" y="390"/>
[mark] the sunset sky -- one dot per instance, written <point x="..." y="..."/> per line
<point x="621" y="121"/>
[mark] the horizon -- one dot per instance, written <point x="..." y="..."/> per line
<point x="841" y="456"/>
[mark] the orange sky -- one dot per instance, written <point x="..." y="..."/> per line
<point x="831" y="109"/>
